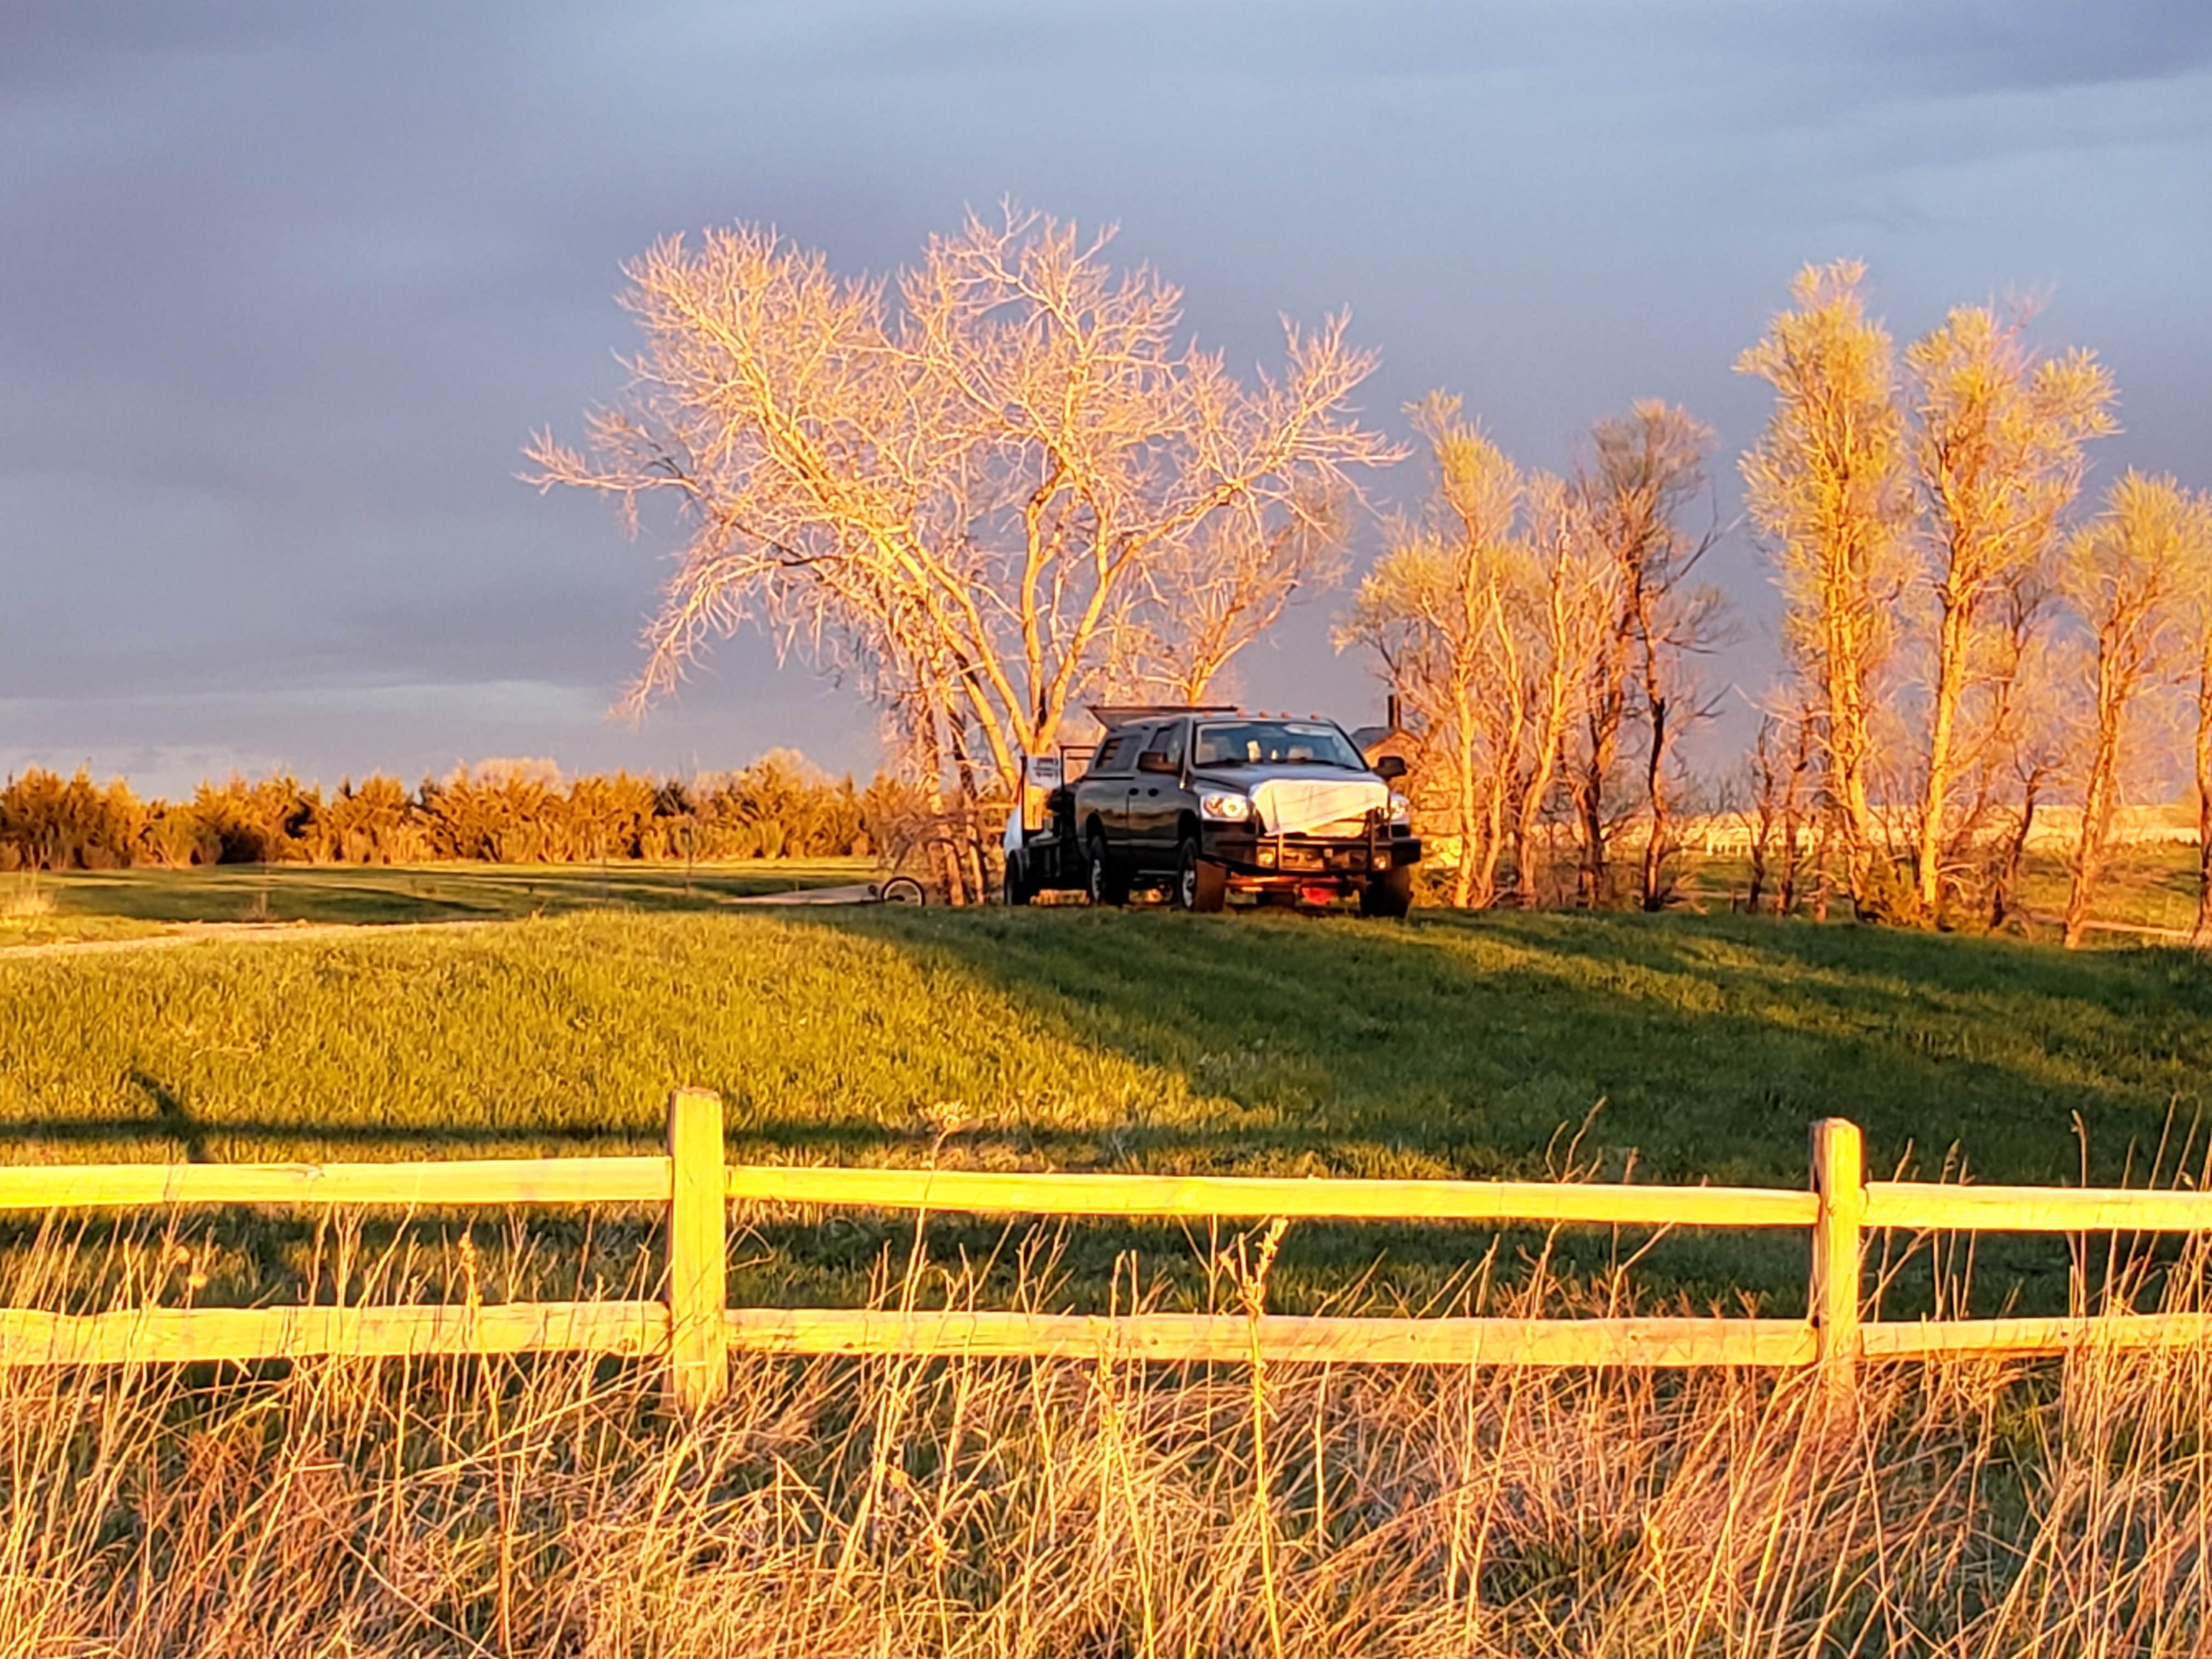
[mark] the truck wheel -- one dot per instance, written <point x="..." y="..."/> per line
<point x="1100" y="880"/>
<point x="1016" y="891"/>
<point x="1200" y="884"/>
<point x="1390" y="895"/>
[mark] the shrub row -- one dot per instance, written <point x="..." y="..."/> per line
<point x="780" y="806"/>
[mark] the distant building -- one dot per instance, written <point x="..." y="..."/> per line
<point x="1390" y="738"/>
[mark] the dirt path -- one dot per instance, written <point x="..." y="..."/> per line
<point x="206" y="932"/>
<point x="211" y="932"/>
<point x="861" y="893"/>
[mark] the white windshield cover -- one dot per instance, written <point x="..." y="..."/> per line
<point x="1297" y="807"/>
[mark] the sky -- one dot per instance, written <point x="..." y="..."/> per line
<point x="285" y="289"/>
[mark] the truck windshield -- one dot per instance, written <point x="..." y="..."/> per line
<point x="1275" y="743"/>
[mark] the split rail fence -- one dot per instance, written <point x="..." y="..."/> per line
<point x="693" y="1332"/>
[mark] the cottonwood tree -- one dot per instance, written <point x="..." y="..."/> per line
<point x="1827" y="483"/>
<point x="1996" y="452"/>
<point x="1574" y="583"/>
<point x="1439" y="611"/>
<point x="2025" y="750"/>
<point x="1211" y="595"/>
<point x="1646" y="469"/>
<point x="979" y="490"/>
<point x="1488" y="616"/>
<point x="2130" y="574"/>
<point x="2199" y="619"/>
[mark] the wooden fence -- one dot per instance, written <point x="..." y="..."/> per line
<point x="694" y="1331"/>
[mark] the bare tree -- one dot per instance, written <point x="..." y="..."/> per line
<point x="2129" y="575"/>
<point x="1647" y="468"/>
<point x="1801" y="787"/>
<point x="1439" y="610"/>
<point x="1574" y="583"/>
<point x="2200" y="618"/>
<point x="1210" y="596"/>
<point x="975" y="490"/>
<point x="1489" y="617"/>
<point x="1761" y="810"/>
<point x="2024" y="750"/>
<point x="1996" y="454"/>
<point x="1827" y="481"/>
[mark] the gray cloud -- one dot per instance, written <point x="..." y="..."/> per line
<point x="283" y="288"/>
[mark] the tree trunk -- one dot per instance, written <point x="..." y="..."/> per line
<point x="1493" y="845"/>
<point x="2202" y="937"/>
<point x="2096" y="819"/>
<point x="1763" y="810"/>
<point x="968" y="840"/>
<point x="943" y="856"/>
<point x="1950" y="686"/>
<point x="2015" y="855"/>
<point x="1589" y="812"/>
<point x="1849" y="750"/>
<point x="1793" y="830"/>
<point x="1551" y="745"/>
<point x="1821" y="865"/>
<point x="1605" y="718"/>
<point x="1655" y="784"/>
<point x="1463" y="877"/>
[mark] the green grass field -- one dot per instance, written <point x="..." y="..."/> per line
<point x="1680" y="1049"/>
<point x="92" y="904"/>
<point x="2146" y="890"/>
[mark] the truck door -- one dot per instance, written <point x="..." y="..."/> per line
<point x="1104" y="792"/>
<point x="1156" y="802"/>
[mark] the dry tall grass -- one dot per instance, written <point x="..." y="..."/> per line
<point x="997" y="1508"/>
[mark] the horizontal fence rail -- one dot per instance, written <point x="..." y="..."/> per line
<point x="1918" y="1207"/>
<point x="636" y="1329"/>
<point x="1274" y="1338"/>
<point x="446" y="1184"/>
<point x="1228" y="1197"/>
<point x="692" y="1332"/>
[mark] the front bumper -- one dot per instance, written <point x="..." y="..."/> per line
<point x="1298" y="860"/>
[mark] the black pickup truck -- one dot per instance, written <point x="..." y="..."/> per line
<point x="1204" y="802"/>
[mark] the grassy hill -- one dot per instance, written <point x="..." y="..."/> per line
<point x="1670" y="1049"/>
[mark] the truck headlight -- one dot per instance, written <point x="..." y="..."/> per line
<point x="1227" y="808"/>
<point x="1402" y="809"/>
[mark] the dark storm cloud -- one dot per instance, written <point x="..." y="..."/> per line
<point x="2037" y="45"/>
<point x="283" y="287"/>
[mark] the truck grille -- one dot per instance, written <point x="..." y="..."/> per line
<point x="1297" y="858"/>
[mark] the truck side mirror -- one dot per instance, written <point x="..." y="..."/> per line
<point x="1156" y="760"/>
<point x="1390" y="768"/>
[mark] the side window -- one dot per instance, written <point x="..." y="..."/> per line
<point x="1116" y="753"/>
<point x="1168" y="742"/>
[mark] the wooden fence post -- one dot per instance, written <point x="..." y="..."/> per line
<point x="1839" y="1181"/>
<point x="698" y="1215"/>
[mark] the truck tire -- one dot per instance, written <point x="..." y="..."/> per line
<point x="1101" y="881"/>
<point x="1390" y="895"/>
<point x="1200" y="884"/>
<point x="1015" y="890"/>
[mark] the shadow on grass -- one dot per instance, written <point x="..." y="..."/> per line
<point x="1693" y="1050"/>
<point x="200" y="1142"/>
<point x="169" y="1113"/>
<point x="1707" y="1047"/>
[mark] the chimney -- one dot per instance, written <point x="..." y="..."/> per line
<point x="1390" y="719"/>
